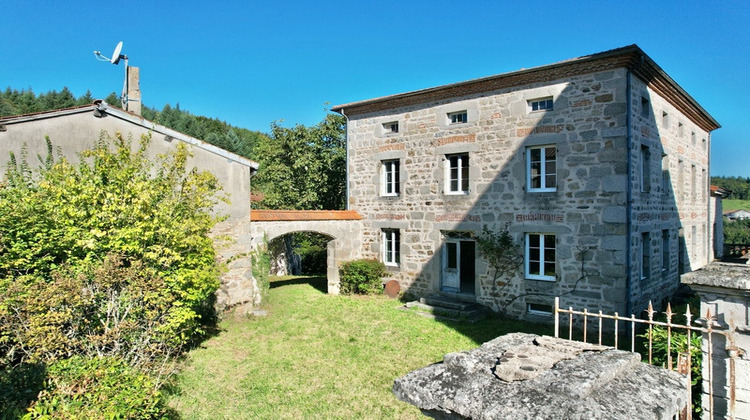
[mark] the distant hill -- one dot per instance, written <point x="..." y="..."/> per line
<point x="739" y="186"/>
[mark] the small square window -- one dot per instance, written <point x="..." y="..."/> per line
<point x="390" y="177"/>
<point x="390" y="127"/>
<point x="391" y="243"/>
<point x="544" y="104"/>
<point x="539" y="309"/>
<point x="459" y="117"/>
<point x="457" y="174"/>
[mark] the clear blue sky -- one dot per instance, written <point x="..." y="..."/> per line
<point x="250" y="63"/>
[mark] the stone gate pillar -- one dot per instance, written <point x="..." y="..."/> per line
<point x="724" y="289"/>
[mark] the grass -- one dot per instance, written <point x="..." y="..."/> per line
<point x="320" y="356"/>
<point x="732" y="204"/>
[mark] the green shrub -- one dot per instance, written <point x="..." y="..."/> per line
<point x="97" y="388"/>
<point x="19" y="387"/>
<point x="362" y="276"/>
<point x="63" y="220"/>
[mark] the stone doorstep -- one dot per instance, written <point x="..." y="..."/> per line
<point x="445" y="309"/>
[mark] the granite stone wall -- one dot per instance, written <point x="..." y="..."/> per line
<point x="588" y="212"/>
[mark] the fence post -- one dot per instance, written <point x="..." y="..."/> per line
<point x="557" y="317"/>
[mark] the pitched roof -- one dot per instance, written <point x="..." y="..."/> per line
<point x="630" y="57"/>
<point x="100" y="107"/>
<point x="302" y="215"/>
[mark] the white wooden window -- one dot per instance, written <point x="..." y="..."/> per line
<point x="457" y="174"/>
<point x="459" y="117"/>
<point x="541" y="168"/>
<point x="391" y="242"/>
<point x="542" y="104"/>
<point x="390" y="178"/>
<point x="539" y="258"/>
<point x="390" y="127"/>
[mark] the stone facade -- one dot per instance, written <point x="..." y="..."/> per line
<point x="623" y="154"/>
<point x="76" y="129"/>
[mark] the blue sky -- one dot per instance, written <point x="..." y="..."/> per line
<point x="251" y="63"/>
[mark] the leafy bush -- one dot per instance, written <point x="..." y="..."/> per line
<point x="362" y="276"/>
<point x="97" y="388"/>
<point x="19" y="387"/>
<point x="116" y="201"/>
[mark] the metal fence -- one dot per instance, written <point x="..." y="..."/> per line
<point x="626" y="327"/>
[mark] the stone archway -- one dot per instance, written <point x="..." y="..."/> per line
<point x="343" y="227"/>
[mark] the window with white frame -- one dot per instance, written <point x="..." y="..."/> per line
<point x="459" y="117"/>
<point x="390" y="178"/>
<point x="541" y="104"/>
<point x="391" y="242"/>
<point x="541" y="168"/>
<point x="540" y="256"/>
<point x="457" y="174"/>
<point x="390" y="127"/>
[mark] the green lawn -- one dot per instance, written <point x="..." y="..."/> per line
<point x="320" y="356"/>
<point x="728" y="205"/>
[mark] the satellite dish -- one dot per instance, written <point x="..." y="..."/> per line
<point x="116" y="55"/>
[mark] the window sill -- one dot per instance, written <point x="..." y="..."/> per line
<point x="540" y="278"/>
<point x="457" y="193"/>
<point x="390" y="195"/>
<point x="542" y="190"/>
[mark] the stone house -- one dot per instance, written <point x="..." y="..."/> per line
<point x="73" y="130"/>
<point x="598" y="168"/>
<point x="737" y="215"/>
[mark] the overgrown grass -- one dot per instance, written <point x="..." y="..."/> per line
<point x="731" y="204"/>
<point x="320" y="356"/>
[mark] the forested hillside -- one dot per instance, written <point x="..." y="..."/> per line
<point x="301" y="167"/>
<point x="739" y="186"/>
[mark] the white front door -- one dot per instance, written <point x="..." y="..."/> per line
<point x="451" y="280"/>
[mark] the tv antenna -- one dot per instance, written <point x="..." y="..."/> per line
<point x="129" y="71"/>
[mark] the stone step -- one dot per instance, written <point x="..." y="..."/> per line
<point x="445" y="302"/>
<point x="447" y="309"/>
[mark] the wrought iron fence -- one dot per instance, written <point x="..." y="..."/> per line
<point x="628" y="325"/>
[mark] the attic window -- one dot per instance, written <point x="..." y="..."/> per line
<point x="543" y="104"/>
<point x="645" y="107"/>
<point x="665" y="119"/>
<point x="459" y="117"/>
<point x="390" y="127"/>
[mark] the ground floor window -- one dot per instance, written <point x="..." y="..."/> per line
<point x="391" y="240"/>
<point x="540" y="256"/>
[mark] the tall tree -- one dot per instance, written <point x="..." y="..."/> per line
<point x="303" y="167"/>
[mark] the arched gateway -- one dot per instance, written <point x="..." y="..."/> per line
<point x="342" y="225"/>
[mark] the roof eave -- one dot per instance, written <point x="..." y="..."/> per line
<point x="630" y="57"/>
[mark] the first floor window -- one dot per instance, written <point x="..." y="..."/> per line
<point x="457" y="174"/>
<point x="665" y="254"/>
<point x="541" y="167"/>
<point x="390" y="178"/>
<point x="540" y="256"/>
<point x="391" y="244"/>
